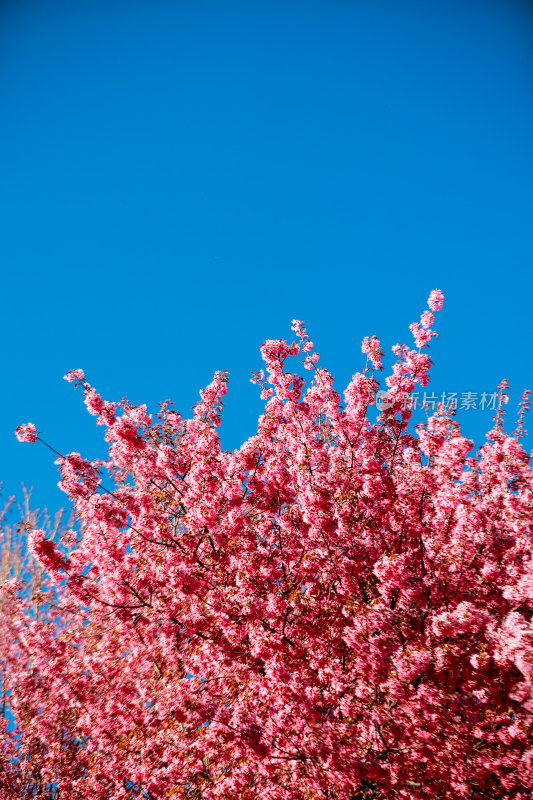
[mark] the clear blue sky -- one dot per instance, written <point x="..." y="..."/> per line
<point x="181" y="179"/>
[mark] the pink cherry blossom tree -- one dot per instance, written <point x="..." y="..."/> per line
<point x="338" y="609"/>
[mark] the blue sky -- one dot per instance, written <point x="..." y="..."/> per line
<point x="182" y="179"/>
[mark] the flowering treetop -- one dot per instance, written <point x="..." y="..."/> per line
<point x="337" y="609"/>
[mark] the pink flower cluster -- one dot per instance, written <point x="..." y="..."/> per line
<point x="75" y="376"/>
<point x="27" y="432"/>
<point x="47" y="553"/>
<point x="372" y="347"/>
<point x="436" y="300"/>
<point x="422" y="330"/>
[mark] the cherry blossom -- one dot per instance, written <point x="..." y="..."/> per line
<point x="337" y="609"/>
<point x="27" y="432"/>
